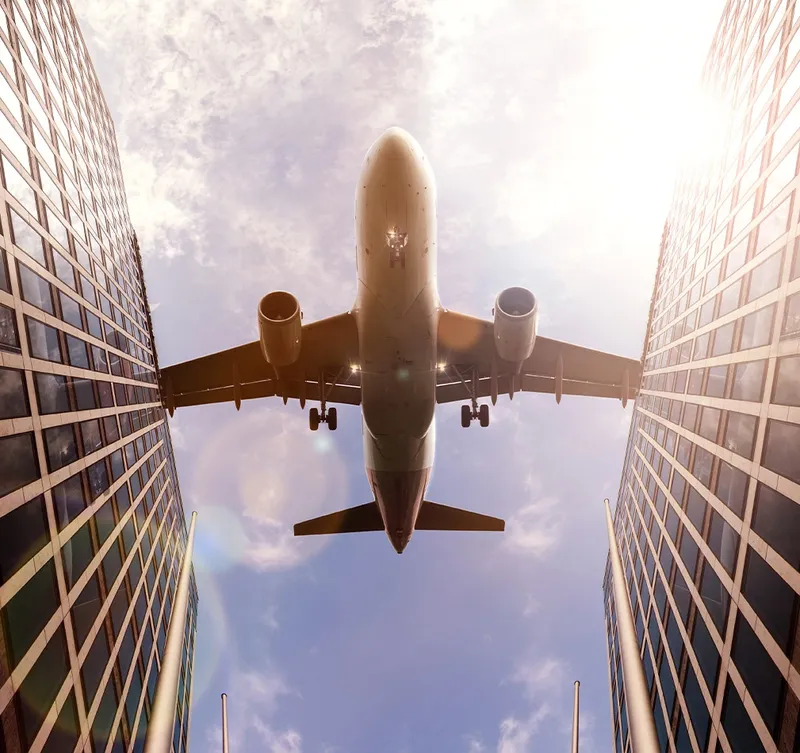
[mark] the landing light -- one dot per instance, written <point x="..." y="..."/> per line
<point x="441" y="366"/>
<point x="355" y="367"/>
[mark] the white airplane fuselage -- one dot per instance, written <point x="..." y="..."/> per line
<point x="397" y="311"/>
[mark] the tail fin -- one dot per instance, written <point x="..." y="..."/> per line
<point x="435" y="517"/>
<point x="353" y="520"/>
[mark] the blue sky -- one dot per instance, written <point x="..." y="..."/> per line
<point x="553" y="128"/>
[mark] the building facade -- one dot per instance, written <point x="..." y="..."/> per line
<point x="92" y="529"/>
<point x="708" y="512"/>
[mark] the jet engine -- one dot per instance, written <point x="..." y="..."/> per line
<point x="279" y="325"/>
<point x="516" y="316"/>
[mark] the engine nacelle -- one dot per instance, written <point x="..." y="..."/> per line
<point x="516" y="319"/>
<point x="279" y="325"/>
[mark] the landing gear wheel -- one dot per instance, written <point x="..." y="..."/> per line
<point x="483" y="415"/>
<point x="466" y="416"/>
<point x="313" y="419"/>
<point x="332" y="420"/>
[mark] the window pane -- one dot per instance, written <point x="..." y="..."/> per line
<point x="695" y="508"/>
<point x="29" y="610"/>
<point x="723" y="541"/>
<point x="23" y="532"/>
<point x="60" y="445"/>
<point x="761" y="677"/>
<point x="698" y="711"/>
<point x="706" y="652"/>
<point x="723" y="340"/>
<point x="64" y="270"/>
<point x="737" y="725"/>
<point x="27" y="238"/>
<point x="98" y="478"/>
<point x="84" y="394"/>
<point x="78" y="354"/>
<point x="18" y="462"/>
<point x="43" y="340"/>
<point x="732" y="487"/>
<point x="757" y="328"/>
<point x="773" y="226"/>
<point x="94" y="665"/>
<point x="8" y="329"/>
<point x="776" y="519"/>
<point x="791" y="320"/>
<point x="35" y="289"/>
<point x="787" y="381"/>
<point x="85" y="610"/>
<point x="13" y="394"/>
<point x="780" y="449"/>
<point x="715" y="386"/>
<point x="709" y="423"/>
<point x="748" y="380"/>
<point x="729" y="298"/>
<point x="740" y="435"/>
<point x="770" y="596"/>
<point x="703" y="461"/>
<point x="765" y="277"/>
<point x="70" y="311"/>
<point x="77" y="553"/>
<point x="66" y="730"/>
<point x="52" y="393"/>
<point x="68" y="500"/>
<point x="715" y="597"/>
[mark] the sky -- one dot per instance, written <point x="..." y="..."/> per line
<point x="553" y="128"/>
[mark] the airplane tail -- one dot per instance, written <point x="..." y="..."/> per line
<point x="436" y="517"/>
<point x="352" y="520"/>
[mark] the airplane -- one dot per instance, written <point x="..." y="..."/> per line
<point x="398" y="353"/>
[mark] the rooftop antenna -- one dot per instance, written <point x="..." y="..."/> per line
<point x="575" y="714"/>
<point x="224" y="723"/>
<point x="641" y="726"/>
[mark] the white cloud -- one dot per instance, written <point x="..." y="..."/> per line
<point x="516" y="735"/>
<point x="536" y="527"/>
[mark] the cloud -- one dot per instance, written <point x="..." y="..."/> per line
<point x="516" y="734"/>
<point x="536" y="528"/>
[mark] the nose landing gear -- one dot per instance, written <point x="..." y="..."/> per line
<point x="470" y="413"/>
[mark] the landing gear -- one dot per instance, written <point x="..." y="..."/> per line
<point x="473" y="411"/>
<point x="324" y="415"/>
<point x="397" y="257"/>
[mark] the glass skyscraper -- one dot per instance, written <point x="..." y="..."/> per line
<point x="92" y="529"/>
<point x="708" y="512"/>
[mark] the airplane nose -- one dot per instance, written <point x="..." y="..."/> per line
<point x="399" y="540"/>
<point x="394" y="145"/>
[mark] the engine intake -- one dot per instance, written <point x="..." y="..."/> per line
<point x="516" y="317"/>
<point x="279" y="325"/>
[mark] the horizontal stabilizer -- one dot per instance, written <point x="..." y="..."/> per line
<point x="435" y="517"/>
<point x="352" y="520"/>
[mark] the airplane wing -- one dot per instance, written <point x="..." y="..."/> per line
<point x="328" y="348"/>
<point x="467" y="351"/>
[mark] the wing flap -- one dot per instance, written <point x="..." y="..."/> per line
<point x="352" y="520"/>
<point x="436" y="517"/>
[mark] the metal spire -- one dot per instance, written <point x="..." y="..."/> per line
<point x="224" y="723"/>
<point x="641" y="725"/>
<point x="575" y="715"/>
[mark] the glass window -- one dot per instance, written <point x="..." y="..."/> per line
<point x="100" y="359"/>
<point x="773" y="226"/>
<point x="765" y="277"/>
<point x="737" y="725"/>
<point x="52" y="393"/>
<point x="64" y="270"/>
<point x="26" y="238"/>
<point x="776" y="519"/>
<point x="13" y="394"/>
<point x="696" y="508"/>
<point x="706" y="313"/>
<point x="780" y="449"/>
<point x="23" y="532"/>
<point x="700" y="348"/>
<point x="65" y="732"/>
<point x="729" y="298"/>
<point x="104" y="520"/>
<point x="29" y="610"/>
<point x="84" y="394"/>
<point x="757" y="328"/>
<point x="703" y="462"/>
<point x="8" y="329"/>
<point x="60" y="445"/>
<point x="105" y="392"/>
<point x="773" y="600"/>
<point x="35" y="289"/>
<point x="695" y="383"/>
<point x="791" y="320"/>
<point x="723" y="541"/>
<point x="86" y="609"/>
<point x="76" y="554"/>
<point x="709" y="423"/>
<point x="78" y="353"/>
<point x="94" y="665"/>
<point x="68" y="500"/>
<point x="43" y="340"/>
<point x="98" y="478"/>
<point x="715" y="596"/>
<point x="740" y="434"/>
<point x="723" y="340"/>
<point x="761" y="677"/>
<point x="706" y="653"/>
<point x="698" y="711"/>
<point x="712" y="280"/>
<point x="91" y="436"/>
<point x="18" y="462"/>
<point x="40" y="687"/>
<point x="70" y="311"/>
<point x="715" y="385"/>
<point x="88" y="290"/>
<point x="748" y="381"/>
